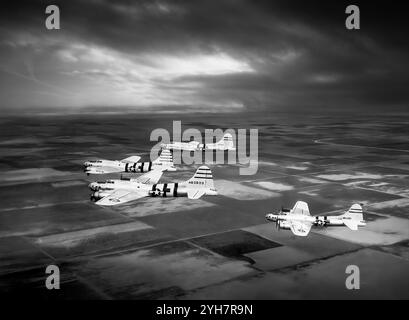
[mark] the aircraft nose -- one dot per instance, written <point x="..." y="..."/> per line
<point x="270" y="216"/>
<point x="93" y="186"/>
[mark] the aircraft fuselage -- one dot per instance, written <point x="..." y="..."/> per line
<point x="117" y="166"/>
<point x="195" y="146"/>
<point x="102" y="189"/>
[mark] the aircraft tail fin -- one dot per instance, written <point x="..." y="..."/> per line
<point x="165" y="158"/>
<point x="227" y="141"/>
<point x="203" y="177"/>
<point x="354" y="217"/>
<point x="355" y="212"/>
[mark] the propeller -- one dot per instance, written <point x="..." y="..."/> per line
<point x="277" y="222"/>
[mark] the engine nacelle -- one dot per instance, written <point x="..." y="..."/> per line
<point x="93" y="170"/>
<point x="94" y="186"/>
<point x="98" y="195"/>
<point x="284" y="225"/>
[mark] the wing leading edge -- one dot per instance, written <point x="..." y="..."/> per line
<point x="151" y="177"/>
<point x="120" y="197"/>
<point x="131" y="159"/>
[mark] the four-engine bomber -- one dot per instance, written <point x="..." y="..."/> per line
<point x="299" y="220"/>
<point x="113" y="192"/>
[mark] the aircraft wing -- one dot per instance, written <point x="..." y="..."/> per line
<point x="300" y="228"/>
<point x="301" y="207"/>
<point x="120" y="197"/>
<point x="150" y="177"/>
<point x="131" y="159"/>
<point x="104" y="170"/>
<point x="195" y="193"/>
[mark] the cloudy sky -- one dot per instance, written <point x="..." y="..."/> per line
<point x="204" y="55"/>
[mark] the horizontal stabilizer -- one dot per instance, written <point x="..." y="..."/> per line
<point x="351" y="224"/>
<point x="195" y="193"/>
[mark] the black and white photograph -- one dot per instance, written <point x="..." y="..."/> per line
<point x="235" y="150"/>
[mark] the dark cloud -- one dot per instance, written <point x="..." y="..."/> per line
<point x="282" y="54"/>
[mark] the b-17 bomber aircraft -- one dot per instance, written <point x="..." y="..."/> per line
<point x="114" y="192"/>
<point x="300" y="221"/>
<point x="226" y="143"/>
<point x="131" y="164"/>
